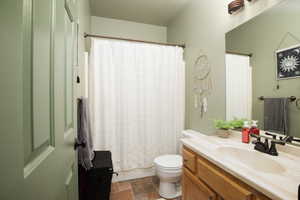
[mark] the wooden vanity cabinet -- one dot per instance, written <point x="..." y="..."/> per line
<point x="203" y="180"/>
<point x="194" y="188"/>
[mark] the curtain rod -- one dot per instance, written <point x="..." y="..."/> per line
<point x="241" y="54"/>
<point x="132" y="40"/>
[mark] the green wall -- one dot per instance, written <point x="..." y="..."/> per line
<point x="201" y="30"/>
<point x="128" y="29"/>
<point x="202" y="26"/>
<point x="262" y="37"/>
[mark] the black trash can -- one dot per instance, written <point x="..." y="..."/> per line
<point x="95" y="184"/>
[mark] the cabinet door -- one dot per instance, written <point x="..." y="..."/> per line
<point x="189" y="159"/>
<point x="195" y="189"/>
<point x="225" y="185"/>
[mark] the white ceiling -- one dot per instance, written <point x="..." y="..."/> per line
<point x="291" y="7"/>
<point x="158" y="12"/>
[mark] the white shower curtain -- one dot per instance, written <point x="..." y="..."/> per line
<point x="137" y="96"/>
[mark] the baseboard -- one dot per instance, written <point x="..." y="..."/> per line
<point x="134" y="174"/>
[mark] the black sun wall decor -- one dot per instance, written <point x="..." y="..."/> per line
<point x="288" y="62"/>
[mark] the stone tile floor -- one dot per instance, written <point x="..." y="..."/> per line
<point x="138" y="189"/>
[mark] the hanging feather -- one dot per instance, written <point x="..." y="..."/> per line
<point x="202" y="83"/>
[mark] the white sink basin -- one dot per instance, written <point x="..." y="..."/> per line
<point x="253" y="159"/>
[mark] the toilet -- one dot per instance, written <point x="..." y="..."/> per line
<point x="168" y="169"/>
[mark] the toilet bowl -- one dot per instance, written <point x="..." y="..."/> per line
<point x="168" y="169"/>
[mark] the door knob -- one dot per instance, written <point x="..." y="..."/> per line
<point x="79" y="144"/>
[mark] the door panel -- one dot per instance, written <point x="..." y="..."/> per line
<point x="69" y="42"/>
<point x="42" y="62"/>
<point x="39" y="42"/>
<point x="39" y="86"/>
<point x="71" y="184"/>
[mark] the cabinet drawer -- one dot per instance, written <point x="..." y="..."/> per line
<point x="189" y="159"/>
<point x="195" y="189"/>
<point x="221" y="182"/>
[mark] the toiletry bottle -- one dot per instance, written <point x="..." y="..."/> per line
<point x="254" y="129"/>
<point x="246" y="132"/>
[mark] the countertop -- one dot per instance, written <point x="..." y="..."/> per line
<point x="283" y="185"/>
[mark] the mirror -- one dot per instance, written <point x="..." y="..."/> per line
<point x="263" y="69"/>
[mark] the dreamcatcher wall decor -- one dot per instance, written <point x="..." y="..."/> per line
<point x="202" y="83"/>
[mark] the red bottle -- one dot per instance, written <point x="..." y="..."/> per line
<point x="254" y="128"/>
<point x="246" y="132"/>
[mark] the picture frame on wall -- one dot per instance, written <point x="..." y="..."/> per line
<point x="288" y="62"/>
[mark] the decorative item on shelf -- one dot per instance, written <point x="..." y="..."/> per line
<point x="202" y="83"/>
<point x="235" y="6"/>
<point x="237" y="124"/>
<point x="223" y="128"/>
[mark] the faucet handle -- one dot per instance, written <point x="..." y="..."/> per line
<point x="280" y="138"/>
<point x="290" y="139"/>
<point x="273" y="135"/>
<point x="278" y="142"/>
<point x="296" y="140"/>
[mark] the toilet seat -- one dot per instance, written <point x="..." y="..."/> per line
<point x="169" y="170"/>
<point x="169" y="162"/>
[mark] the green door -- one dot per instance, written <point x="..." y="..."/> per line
<point x="38" y="121"/>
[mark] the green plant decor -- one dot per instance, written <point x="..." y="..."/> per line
<point x="237" y="123"/>
<point x="222" y="124"/>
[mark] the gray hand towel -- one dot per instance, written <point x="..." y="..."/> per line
<point x="86" y="153"/>
<point x="276" y="115"/>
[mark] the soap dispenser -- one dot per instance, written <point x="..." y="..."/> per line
<point x="254" y="129"/>
<point x="246" y="132"/>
